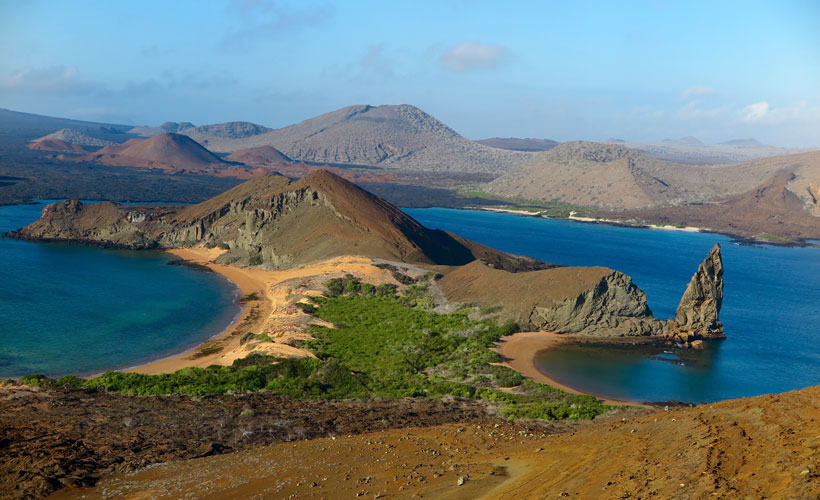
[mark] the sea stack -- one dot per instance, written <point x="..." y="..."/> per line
<point x="697" y="315"/>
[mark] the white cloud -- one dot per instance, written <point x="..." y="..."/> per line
<point x="755" y="112"/>
<point x="471" y="55"/>
<point x="262" y="19"/>
<point x="50" y="79"/>
<point x="698" y="91"/>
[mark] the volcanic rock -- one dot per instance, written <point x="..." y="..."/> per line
<point x="590" y="301"/>
<point x="697" y="314"/>
<point x="273" y="221"/>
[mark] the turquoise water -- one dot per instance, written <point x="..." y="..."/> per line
<point x="67" y="309"/>
<point x="771" y="309"/>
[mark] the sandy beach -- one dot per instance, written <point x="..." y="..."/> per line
<point x="519" y="351"/>
<point x="271" y="312"/>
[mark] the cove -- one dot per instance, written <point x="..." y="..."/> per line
<point x="771" y="308"/>
<point x="69" y="309"/>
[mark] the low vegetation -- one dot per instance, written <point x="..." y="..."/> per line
<point x="384" y="345"/>
<point x="548" y="208"/>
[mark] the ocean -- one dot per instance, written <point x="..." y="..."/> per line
<point x="69" y="309"/>
<point x="771" y="308"/>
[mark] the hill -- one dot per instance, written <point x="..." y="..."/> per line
<point x="597" y="174"/>
<point x="58" y="145"/>
<point x="167" y="151"/>
<point x="770" y="212"/>
<point x="216" y="135"/>
<point x="275" y="221"/>
<point x="396" y="137"/>
<point x="692" y="151"/>
<point x="515" y="144"/>
<point x="167" y="127"/>
<point x="76" y="137"/>
<point x="259" y="156"/>
<point x="613" y="176"/>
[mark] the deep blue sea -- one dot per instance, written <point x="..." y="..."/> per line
<point x="67" y="309"/>
<point x="771" y="308"/>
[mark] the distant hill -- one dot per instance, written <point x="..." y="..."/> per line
<point x="685" y="141"/>
<point x="167" y="127"/>
<point x="22" y="128"/>
<point x="613" y="176"/>
<point x="76" y="137"/>
<point x="218" y="134"/>
<point x="691" y="151"/>
<point x="591" y="174"/>
<point x="57" y="145"/>
<point x="259" y="156"/>
<point x="395" y="137"/>
<point x="746" y="143"/>
<point x="770" y="211"/>
<point x="167" y="151"/>
<point x="514" y="144"/>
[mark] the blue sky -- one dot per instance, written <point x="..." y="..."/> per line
<point x="561" y="70"/>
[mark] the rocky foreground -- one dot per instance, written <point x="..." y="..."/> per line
<point x="762" y="447"/>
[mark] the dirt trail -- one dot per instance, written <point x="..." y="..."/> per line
<point x="763" y="447"/>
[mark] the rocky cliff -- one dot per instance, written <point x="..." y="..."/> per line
<point x="270" y="221"/>
<point x="697" y="314"/>
<point x="591" y="301"/>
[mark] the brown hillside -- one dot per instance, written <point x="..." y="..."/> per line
<point x="590" y="174"/>
<point x="275" y="221"/>
<point x="56" y="145"/>
<point x="168" y="151"/>
<point x="580" y="300"/>
<point x="770" y="209"/>
<point x="611" y="176"/>
<point x="259" y="156"/>
<point x="764" y="447"/>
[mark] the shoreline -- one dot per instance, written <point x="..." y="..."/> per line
<point x="519" y="349"/>
<point x="270" y="312"/>
<point x="245" y="284"/>
<point x="735" y="238"/>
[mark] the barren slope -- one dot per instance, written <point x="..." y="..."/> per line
<point x="615" y="177"/>
<point x="166" y="151"/>
<point x="259" y="156"/>
<point x="271" y="220"/>
<point x="76" y="137"/>
<point x="402" y="137"/>
<point x="51" y="144"/>
<point x="770" y="211"/>
<point x="762" y="447"/>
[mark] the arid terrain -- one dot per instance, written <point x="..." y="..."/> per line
<point x="763" y="447"/>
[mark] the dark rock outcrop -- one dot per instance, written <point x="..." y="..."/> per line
<point x="697" y="314"/>
<point x="272" y="221"/>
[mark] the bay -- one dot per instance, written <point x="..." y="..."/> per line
<point x="70" y="309"/>
<point x="771" y="308"/>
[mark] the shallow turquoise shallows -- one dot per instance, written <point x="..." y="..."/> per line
<point x="771" y="310"/>
<point x="68" y="309"/>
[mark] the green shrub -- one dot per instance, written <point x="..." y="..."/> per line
<point x="255" y="260"/>
<point x="381" y="346"/>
